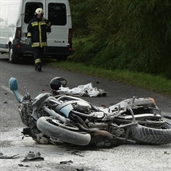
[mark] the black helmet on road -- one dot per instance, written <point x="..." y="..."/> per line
<point x="57" y="82"/>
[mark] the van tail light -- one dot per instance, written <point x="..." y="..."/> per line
<point x="70" y="36"/>
<point x="18" y="33"/>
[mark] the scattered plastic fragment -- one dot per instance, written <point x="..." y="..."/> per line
<point x="80" y="169"/>
<point x="165" y="152"/>
<point x="8" y="157"/>
<point x="77" y="153"/>
<point x="32" y="157"/>
<point x="21" y="165"/>
<point x="66" y="162"/>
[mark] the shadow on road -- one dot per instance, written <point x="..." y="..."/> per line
<point x="25" y="61"/>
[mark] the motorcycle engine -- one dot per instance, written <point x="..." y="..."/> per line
<point x="83" y="106"/>
<point x="118" y="132"/>
<point x="25" y="111"/>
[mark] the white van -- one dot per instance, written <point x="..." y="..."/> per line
<point x="14" y="18"/>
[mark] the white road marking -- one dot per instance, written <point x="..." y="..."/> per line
<point x="8" y="90"/>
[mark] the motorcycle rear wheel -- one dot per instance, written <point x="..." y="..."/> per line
<point x="46" y="126"/>
<point x="146" y="135"/>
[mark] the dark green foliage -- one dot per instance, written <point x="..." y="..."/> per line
<point x="123" y="34"/>
<point x="80" y="8"/>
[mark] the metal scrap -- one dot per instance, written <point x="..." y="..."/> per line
<point x="21" y="165"/>
<point x="8" y="157"/>
<point x="77" y="153"/>
<point x="66" y="162"/>
<point x="31" y="156"/>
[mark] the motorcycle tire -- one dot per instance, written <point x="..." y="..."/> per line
<point x="155" y="136"/>
<point x="51" y="130"/>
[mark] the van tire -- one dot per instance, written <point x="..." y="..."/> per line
<point x="12" y="58"/>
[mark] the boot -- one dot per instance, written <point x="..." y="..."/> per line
<point x="38" y="67"/>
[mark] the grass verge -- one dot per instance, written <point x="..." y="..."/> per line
<point x="156" y="84"/>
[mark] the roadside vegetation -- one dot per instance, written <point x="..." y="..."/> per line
<point x="150" y="82"/>
<point x="127" y="41"/>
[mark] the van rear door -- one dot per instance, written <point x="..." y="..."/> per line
<point x="58" y="13"/>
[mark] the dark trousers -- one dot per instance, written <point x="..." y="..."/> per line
<point x="37" y="55"/>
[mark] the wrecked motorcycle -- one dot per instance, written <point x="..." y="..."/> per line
<point x="68" y="119"/>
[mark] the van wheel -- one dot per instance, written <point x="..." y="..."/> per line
<point x="12" y="58"/>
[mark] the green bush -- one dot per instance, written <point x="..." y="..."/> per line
<point x="128" y="34"/>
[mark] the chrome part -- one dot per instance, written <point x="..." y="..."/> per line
<point x="82" y="106"/>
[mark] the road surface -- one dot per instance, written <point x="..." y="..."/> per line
<point x="68" y="158"/>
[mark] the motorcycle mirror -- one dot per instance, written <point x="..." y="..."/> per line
<point x="14" y="87"/>
<point x="13" y="84"/>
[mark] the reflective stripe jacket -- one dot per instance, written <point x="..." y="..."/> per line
<point x="37" y="29"/>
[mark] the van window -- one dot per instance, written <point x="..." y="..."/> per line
<point x="57" y="13"/>
<point x="30" y="8"/>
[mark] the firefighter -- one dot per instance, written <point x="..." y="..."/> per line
<point x="37" y="36"/>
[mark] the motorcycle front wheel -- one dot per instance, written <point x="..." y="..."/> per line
<point x="64" y="133"/>
<point x="148" y="135"/>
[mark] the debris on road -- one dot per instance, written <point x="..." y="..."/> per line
<point x="82" y="90"/>
<point x="31" y="156"/>
<point x="21" y="165"/>
<point x="165" y="152"/>
<point x="8" y="157"/>
<point x="66" y="162"/>
<point x="77" y="153"/>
